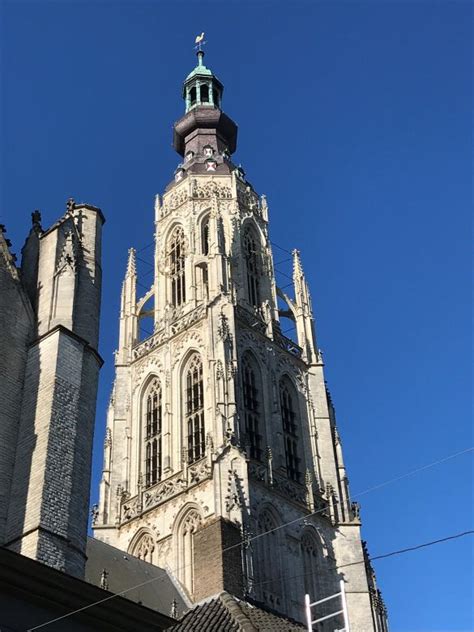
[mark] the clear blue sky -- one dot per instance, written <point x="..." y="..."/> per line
<point x="355" y="119"/>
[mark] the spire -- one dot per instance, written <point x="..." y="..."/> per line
<point x="303" y="311"/>
<point x="131" y="263"/>
<point x="128" y="317"/>
<point x="302" y="295"/>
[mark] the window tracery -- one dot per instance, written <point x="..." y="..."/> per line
<point x="252" y="406"/>
<point x="252" y="265"/>
<point x="144" y="548"/>
<point x="194" y="409"/>
<point x="268" y="567"/>
<point x="153" y="431"/>
<point x="311" y="566"/>
<point x="176" y="259"/>
<point x="288" y="416"/>
<point x="189" y="525"/>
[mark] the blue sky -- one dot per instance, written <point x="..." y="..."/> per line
<point x="355" y="120"/>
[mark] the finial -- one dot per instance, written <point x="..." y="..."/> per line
<point x="70" y="205"/>
<point x="104" y="581"/>
<point x="199" y="41"/>
<point x="131" y="264"/>
<point x="174" y="609"/>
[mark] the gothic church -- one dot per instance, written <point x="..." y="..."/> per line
<point x="222" y="459"/>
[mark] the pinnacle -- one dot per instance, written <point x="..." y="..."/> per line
<point x="131" y="264"/>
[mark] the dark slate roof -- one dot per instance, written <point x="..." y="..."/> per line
<point x="226" y="613"/>
<point x="125" y="570"/>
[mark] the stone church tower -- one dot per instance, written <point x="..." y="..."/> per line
<point x="49" y="368"/>
<point x="219" y="427"/>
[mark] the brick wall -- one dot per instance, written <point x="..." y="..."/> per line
<point x="215" y="570"/>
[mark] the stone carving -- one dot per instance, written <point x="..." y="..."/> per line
<point x="198" y="472"/>
<point x="162" y="336"/>
<point x="68" y="257"/>
<point x="108" y="438"/>
<point x="173" y="201"/>
<point x="251" y="319"/>
<point x="210" y="189"/>
<point x="233" y="496"/>
<point x="289" y="489"/>
<point x="165" y="490"/>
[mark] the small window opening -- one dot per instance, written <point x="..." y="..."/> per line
<point x="192" y="96"/>
<point x="204" y="93"/>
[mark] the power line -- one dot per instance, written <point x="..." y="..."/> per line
<point x="372" y="558"/>
<point x="278" y="527"/>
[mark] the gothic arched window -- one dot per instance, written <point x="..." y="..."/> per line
<point x="188" y="527"/>
<point x="144" y="548"/>
<point x="194" y="409"/>
<point x="268" y="566"/>
<point x="252" y="266"/>
<point x="176" y="258"/>
<point x="205" y="236"/>
<point x="153" y="425"/>
<point x="251" y="383"/>
<point x="192" y="96"/>
<point x="311" y="570"/>
<point x="289" y="419"/>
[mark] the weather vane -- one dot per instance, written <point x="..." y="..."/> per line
<point x="199" y="41"/>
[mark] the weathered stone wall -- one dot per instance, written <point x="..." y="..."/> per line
<point x="16" y="331"/>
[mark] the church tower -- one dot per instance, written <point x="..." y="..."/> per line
<point x="220" y="428"/>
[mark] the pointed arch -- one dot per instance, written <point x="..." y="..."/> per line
<point x="290" y="422"/>
<point x="268" y="558"/>
<point x="193" y="402"/>
<point x="314" y="572"/>
<point x="253" y="404"/>
<point x="143" y="545"/>
<point x="205" y="240"/>
<point x="187" y="523"/>
<point x="176" y="255"/>
<point x="251" y="248"/>
<point x="152" y="425"/>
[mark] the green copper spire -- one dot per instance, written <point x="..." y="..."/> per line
<point x="201" y="87"/>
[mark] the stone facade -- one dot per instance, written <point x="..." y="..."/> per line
<point x="220" y="429"/>
<point x="49" y="317"/>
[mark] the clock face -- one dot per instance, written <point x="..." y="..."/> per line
<point x="189" y="155"/>
<point x="208" y="151"/>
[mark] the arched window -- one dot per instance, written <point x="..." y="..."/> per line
<point x="189" y="525"/>
<point x="194" y="409"/>
<point x="153" y="425"/>
<point x="290" y="429"/>
<point x="311" y="570"/>
<point x="192" y="96"/>
<point x="215" y="96"/>
<point x="268" y="565"/>
<point x="204" y="93"/>
<point x="144" y="548"/>
<point x="251" y="254"/>
<point x="176" y="259"/>
<point x="252" y="392"/>
<point x="205" y="236"/>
